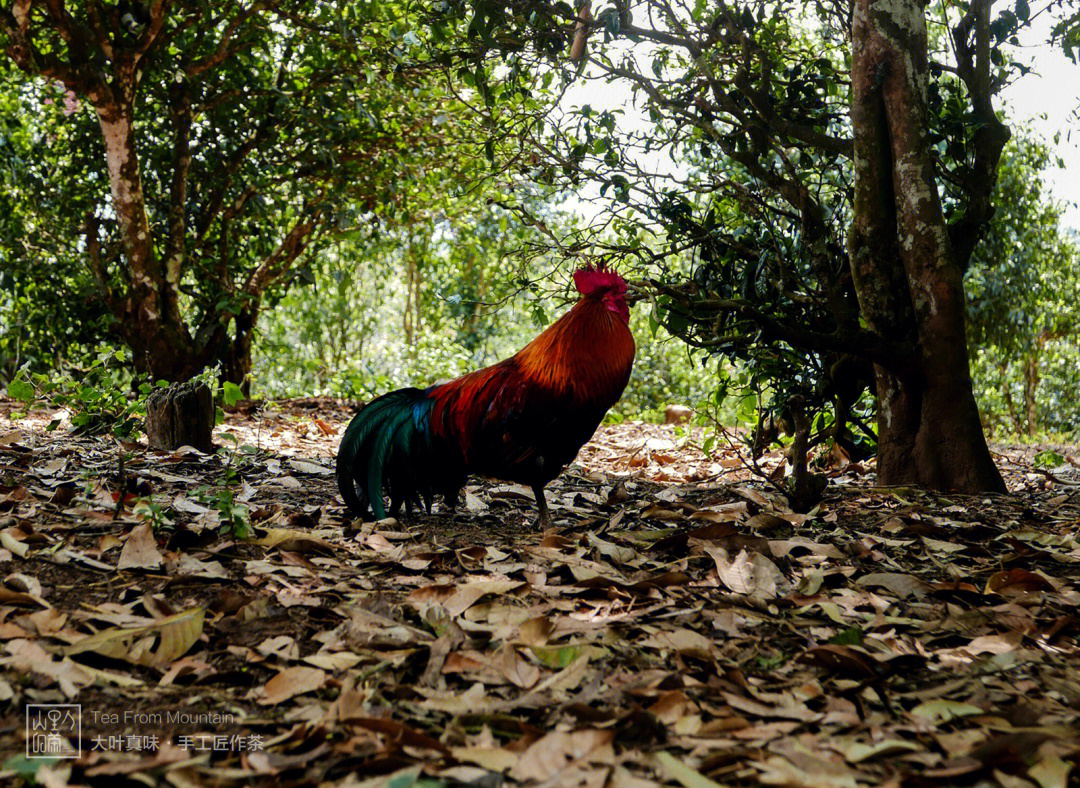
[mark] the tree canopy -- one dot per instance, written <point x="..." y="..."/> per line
<point x="833" y="171"/>
<point x="182" y="167"/>
<point x="197" y="154"/>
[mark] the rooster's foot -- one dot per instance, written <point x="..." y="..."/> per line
<point x="543" y="516"/>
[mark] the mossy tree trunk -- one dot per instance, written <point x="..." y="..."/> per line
<point x="908" y="278"/>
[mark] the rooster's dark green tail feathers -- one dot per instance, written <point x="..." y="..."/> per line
<point x="386" y="444"/>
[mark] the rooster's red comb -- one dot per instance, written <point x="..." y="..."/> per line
<point x="588" y="279"/>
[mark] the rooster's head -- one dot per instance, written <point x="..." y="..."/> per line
<point x="605" y="284"/>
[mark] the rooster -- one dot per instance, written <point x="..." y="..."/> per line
<point x="520" y="420"/>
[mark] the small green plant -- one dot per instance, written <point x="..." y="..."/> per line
<point x="1049" y="459"/>
<point x="234" y="518"/>
<point x="27" y="768"/>
<point x="225" y="393"/>
<point x="231" y="393"/>
<point x="152" y="513"/>
<point x="102" y="398"/>
<point x="236" y="459"/>
<point x="852" y="636"/>
<point x="769" y="661"/>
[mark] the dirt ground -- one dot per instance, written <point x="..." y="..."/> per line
<point x="679" y="625"/>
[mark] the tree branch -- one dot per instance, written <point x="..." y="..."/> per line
<point x="277" y="263"/>
<point x="991" y="135"/>
<point x="101" y="35"/>
<point x="180" y="110"/>
<point x="859" y="342"/>
<point x="224" y="51"/>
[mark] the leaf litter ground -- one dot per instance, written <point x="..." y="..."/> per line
<point x="678" y="625"/>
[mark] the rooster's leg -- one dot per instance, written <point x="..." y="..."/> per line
<point x="543" y="516"/>
<point x="450" y="498"/>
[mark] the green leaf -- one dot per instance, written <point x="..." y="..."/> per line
<point x="677" y="323"/>
<point x="1049" y="459"/>
<point x="609" y="18"/>
<point x="654" y="324"/>
<point x="231" y="393"/>
<point x="852" y="636"/>
<point x="556" y="657"/>
<point x="25" y="767"/>
<point x="21" y="390"/>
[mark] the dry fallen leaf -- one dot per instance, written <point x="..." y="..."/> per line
<point x="497" y="760"/>
<point x="536" y="631"/>
<point x="553" y="753"/>
<point x="942" y="710"/>
<point x="309" y="467"/>
<point x="29" y="657"/>
<point x="749" y="573"/>
<point x="173" y="637"/>
<point x="291" y="682"/>
<point x="518" y="671"/>
<point x="17" y="547"/>
<point x="684" y="641"/>
<point x="846" y="661"/>
<point x="140" y="550"/>
<point x="458" y="599"/>
<point x="880" y="657"/>
<point x="1016" y="582"/>
<point x="900" y="584"/>
<point x="675" y="769"/>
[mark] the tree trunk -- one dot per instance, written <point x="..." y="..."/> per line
<point x="1010" y="405"/>
<point x="149" y="319"/>
<point x="908" y="281"/>
<point x="930" y="434"/>
<point x="236" y="363"/>
<point x="804" y="489"/>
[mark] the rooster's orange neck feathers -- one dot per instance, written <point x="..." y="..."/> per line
<point x="587" y="352"/>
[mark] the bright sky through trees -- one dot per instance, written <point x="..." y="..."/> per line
<point x="1049" y="100"/>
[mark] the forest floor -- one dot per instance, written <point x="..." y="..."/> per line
<point x="679" y="625"/>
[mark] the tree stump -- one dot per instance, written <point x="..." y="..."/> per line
<point x="677" y="414"/>
<point x="181" y="415"/>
